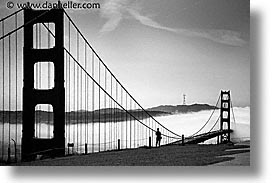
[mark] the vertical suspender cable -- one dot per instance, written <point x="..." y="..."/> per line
<point x="69" y="84"/>
<point x="138" y="135"/>
<point x="16" y="74"/>
<point x="3" y="130"/>
<point x="122" y="116"/>
<point x="126" y="120"/>
<point x="80" y="106"/>
<point x="232" y="111"/>
<point x="131" y="124"/>
<point x="149" y="130"/>
<point x="152" y="137"/>
<point x="111" y="117"/>
<point x="134" y="125"/>
<point x="66" y="95"/>
<point x="69" y="103"/>
<point x="87" y="105"/>
<point x="141" y="127"/>
<point x="9" y="139"/>
<point x="99" y="113"/>
<point x="105" y="88"/>
<point x="115" y="122"/>
<point x="93" y="102"/>
<point x="85" y="92"/>
<point x="74" y="94"/>
<point x="146" y="129"/>
<point x="116" y="113"/>
<point x="77" y="89"/>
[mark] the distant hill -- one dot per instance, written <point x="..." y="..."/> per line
<point x="182" y="108"/>
<point x="102" y="115"/>
<point x="107" y="114"/>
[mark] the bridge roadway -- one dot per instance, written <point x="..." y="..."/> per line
<point x="203" y="137"/>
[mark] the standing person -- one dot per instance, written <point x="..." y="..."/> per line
<point x="158" y="138"/>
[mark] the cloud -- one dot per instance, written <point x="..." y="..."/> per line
<point x="149" y="22"/>
<point x="227" y="37"/>
<point x="113" y="11"/>
<point x="117" y="10"/>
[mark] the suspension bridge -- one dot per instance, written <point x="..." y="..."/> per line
<point x="59" y="98"/>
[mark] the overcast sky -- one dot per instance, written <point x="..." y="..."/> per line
<point x="162" y="49"/>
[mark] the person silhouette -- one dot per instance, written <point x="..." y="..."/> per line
<point x="158" y="138"/>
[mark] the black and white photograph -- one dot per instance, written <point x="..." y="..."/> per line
<point x="131" y="85"/>
<point x="125" y="83"/>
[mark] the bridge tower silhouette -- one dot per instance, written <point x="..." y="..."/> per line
<point x="225" y="117"/>
<point x="32" y="96"/>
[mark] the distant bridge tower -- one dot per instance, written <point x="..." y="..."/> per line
<point x="184" y="99"/>
<point x="225" y="116"/>
<point x="31" y="97"/>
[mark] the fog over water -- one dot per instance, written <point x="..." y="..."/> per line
<point x="190" y="123"/>
<point x="186" y="124"/>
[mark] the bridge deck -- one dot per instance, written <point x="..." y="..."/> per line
<point x="202" y="137"/>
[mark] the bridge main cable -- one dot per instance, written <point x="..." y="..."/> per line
<point x="10" y="15"/>
<point x="24" y="25"/>
<point x="115" y="76"/>
<point x="107" y="92"/>
<point x="207" y="120"/>
<point x="215" y="124"/>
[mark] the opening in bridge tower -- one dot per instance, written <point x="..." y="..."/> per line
<point x="225" y="117"/>
<point x="31" y="145"/>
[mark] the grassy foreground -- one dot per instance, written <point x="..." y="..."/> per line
<point x="189" y="155"/>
